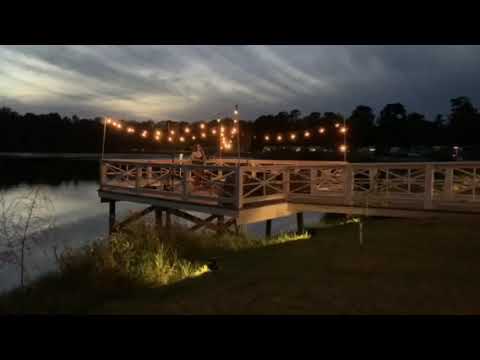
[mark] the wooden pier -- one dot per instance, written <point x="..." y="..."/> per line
<point x="231" y="193"/>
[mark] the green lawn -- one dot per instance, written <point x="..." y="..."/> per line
<point x="404" y="267"/>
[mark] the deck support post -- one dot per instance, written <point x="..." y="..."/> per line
<point x="220" y="224"/>
<point x="111" y="216"/>
<point x="300" y="227"/>
<point x="158" y="218"/>
<point x="268" y="228"/>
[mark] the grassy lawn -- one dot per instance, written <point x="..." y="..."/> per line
<point x="404" y="267"/>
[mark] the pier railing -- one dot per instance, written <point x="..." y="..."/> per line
<point x="449" y="186"/>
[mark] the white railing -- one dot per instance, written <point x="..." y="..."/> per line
<point x="453" y="186"/>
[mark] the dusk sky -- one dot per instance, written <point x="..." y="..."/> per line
<point x="198" y="82"/>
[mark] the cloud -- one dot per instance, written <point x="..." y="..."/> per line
<point x="198" y="82"/>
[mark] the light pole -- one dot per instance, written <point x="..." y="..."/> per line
<point x="237" y="121"/>
<point x="104" y="135"/>
<point x="345" y="140"/>
<point x="219" y="119"/>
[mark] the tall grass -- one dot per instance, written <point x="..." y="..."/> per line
<point x="139" y="257"/>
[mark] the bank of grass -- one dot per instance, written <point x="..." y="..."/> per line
<point x="403" y="267"/>
<point x="138" y="258"/>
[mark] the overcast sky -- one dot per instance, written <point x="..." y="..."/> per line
<point x="198" y="82"/>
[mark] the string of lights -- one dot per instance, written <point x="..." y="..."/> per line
<point x="226" y="135"/>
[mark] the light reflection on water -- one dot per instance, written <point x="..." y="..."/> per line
<point x="80" y="218"/>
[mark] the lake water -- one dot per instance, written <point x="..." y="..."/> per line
<point x="80" y="218"/>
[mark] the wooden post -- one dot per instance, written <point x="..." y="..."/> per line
<point x="158" y="218"/>
<point x="220" y="224"/>
<point x="138" y="178"/>
<point x="168" y="220"/>
<point x="286" y="182"/>
<point x="348" y="200"/>
<point x="268" y="229"/>
<point x="149" y="174"/>
<point x="239" y="187"/>
<point x="429" y="178"/>
<point x="185" y="181"/>
<point x="300" y="227"/>
<point x="448" y="189"/>
<point x="111" y="216"/>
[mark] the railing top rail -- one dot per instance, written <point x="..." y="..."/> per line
<point x="170" y="165"/>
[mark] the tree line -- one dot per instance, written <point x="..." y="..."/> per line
<point x="392" y="126"/>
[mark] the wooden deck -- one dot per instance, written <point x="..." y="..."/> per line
<point x="258" y="190"/>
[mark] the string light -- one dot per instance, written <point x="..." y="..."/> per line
<point x="279" y="138"/>
<point x="337" y="125"/>
<point x="222" y="129"/>
<point x="187" y="130"/>
<point x="119" y="126"/>
<point x="204" y="135"/>
<point x="158" y="132"/>
<point x="194" y="137"/>
<point x="218" y="120"/>
<point x="321" y="130"/>
<point x="144" y="133"/>
<point x="182" y="139"/>
<point x="267" y="138"/>
<point x="234" y="131"/>
<point x="214" y="131"/>
<point x="130" y="130"/>
<point x="202" y="126"/>
<point x="170" y="139"/>
<point x="172" y="132"/>
<point x="109" y="121"/>
<point x="157" y="137"/>
<point x="343" y="130"/>
<point x="306" y="134"/>
<point x="292" y="136"/>
<point x="343" y="148"/>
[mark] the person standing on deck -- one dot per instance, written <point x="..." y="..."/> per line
<point x="198" y="155"/>
<point x="198" y="158"/>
